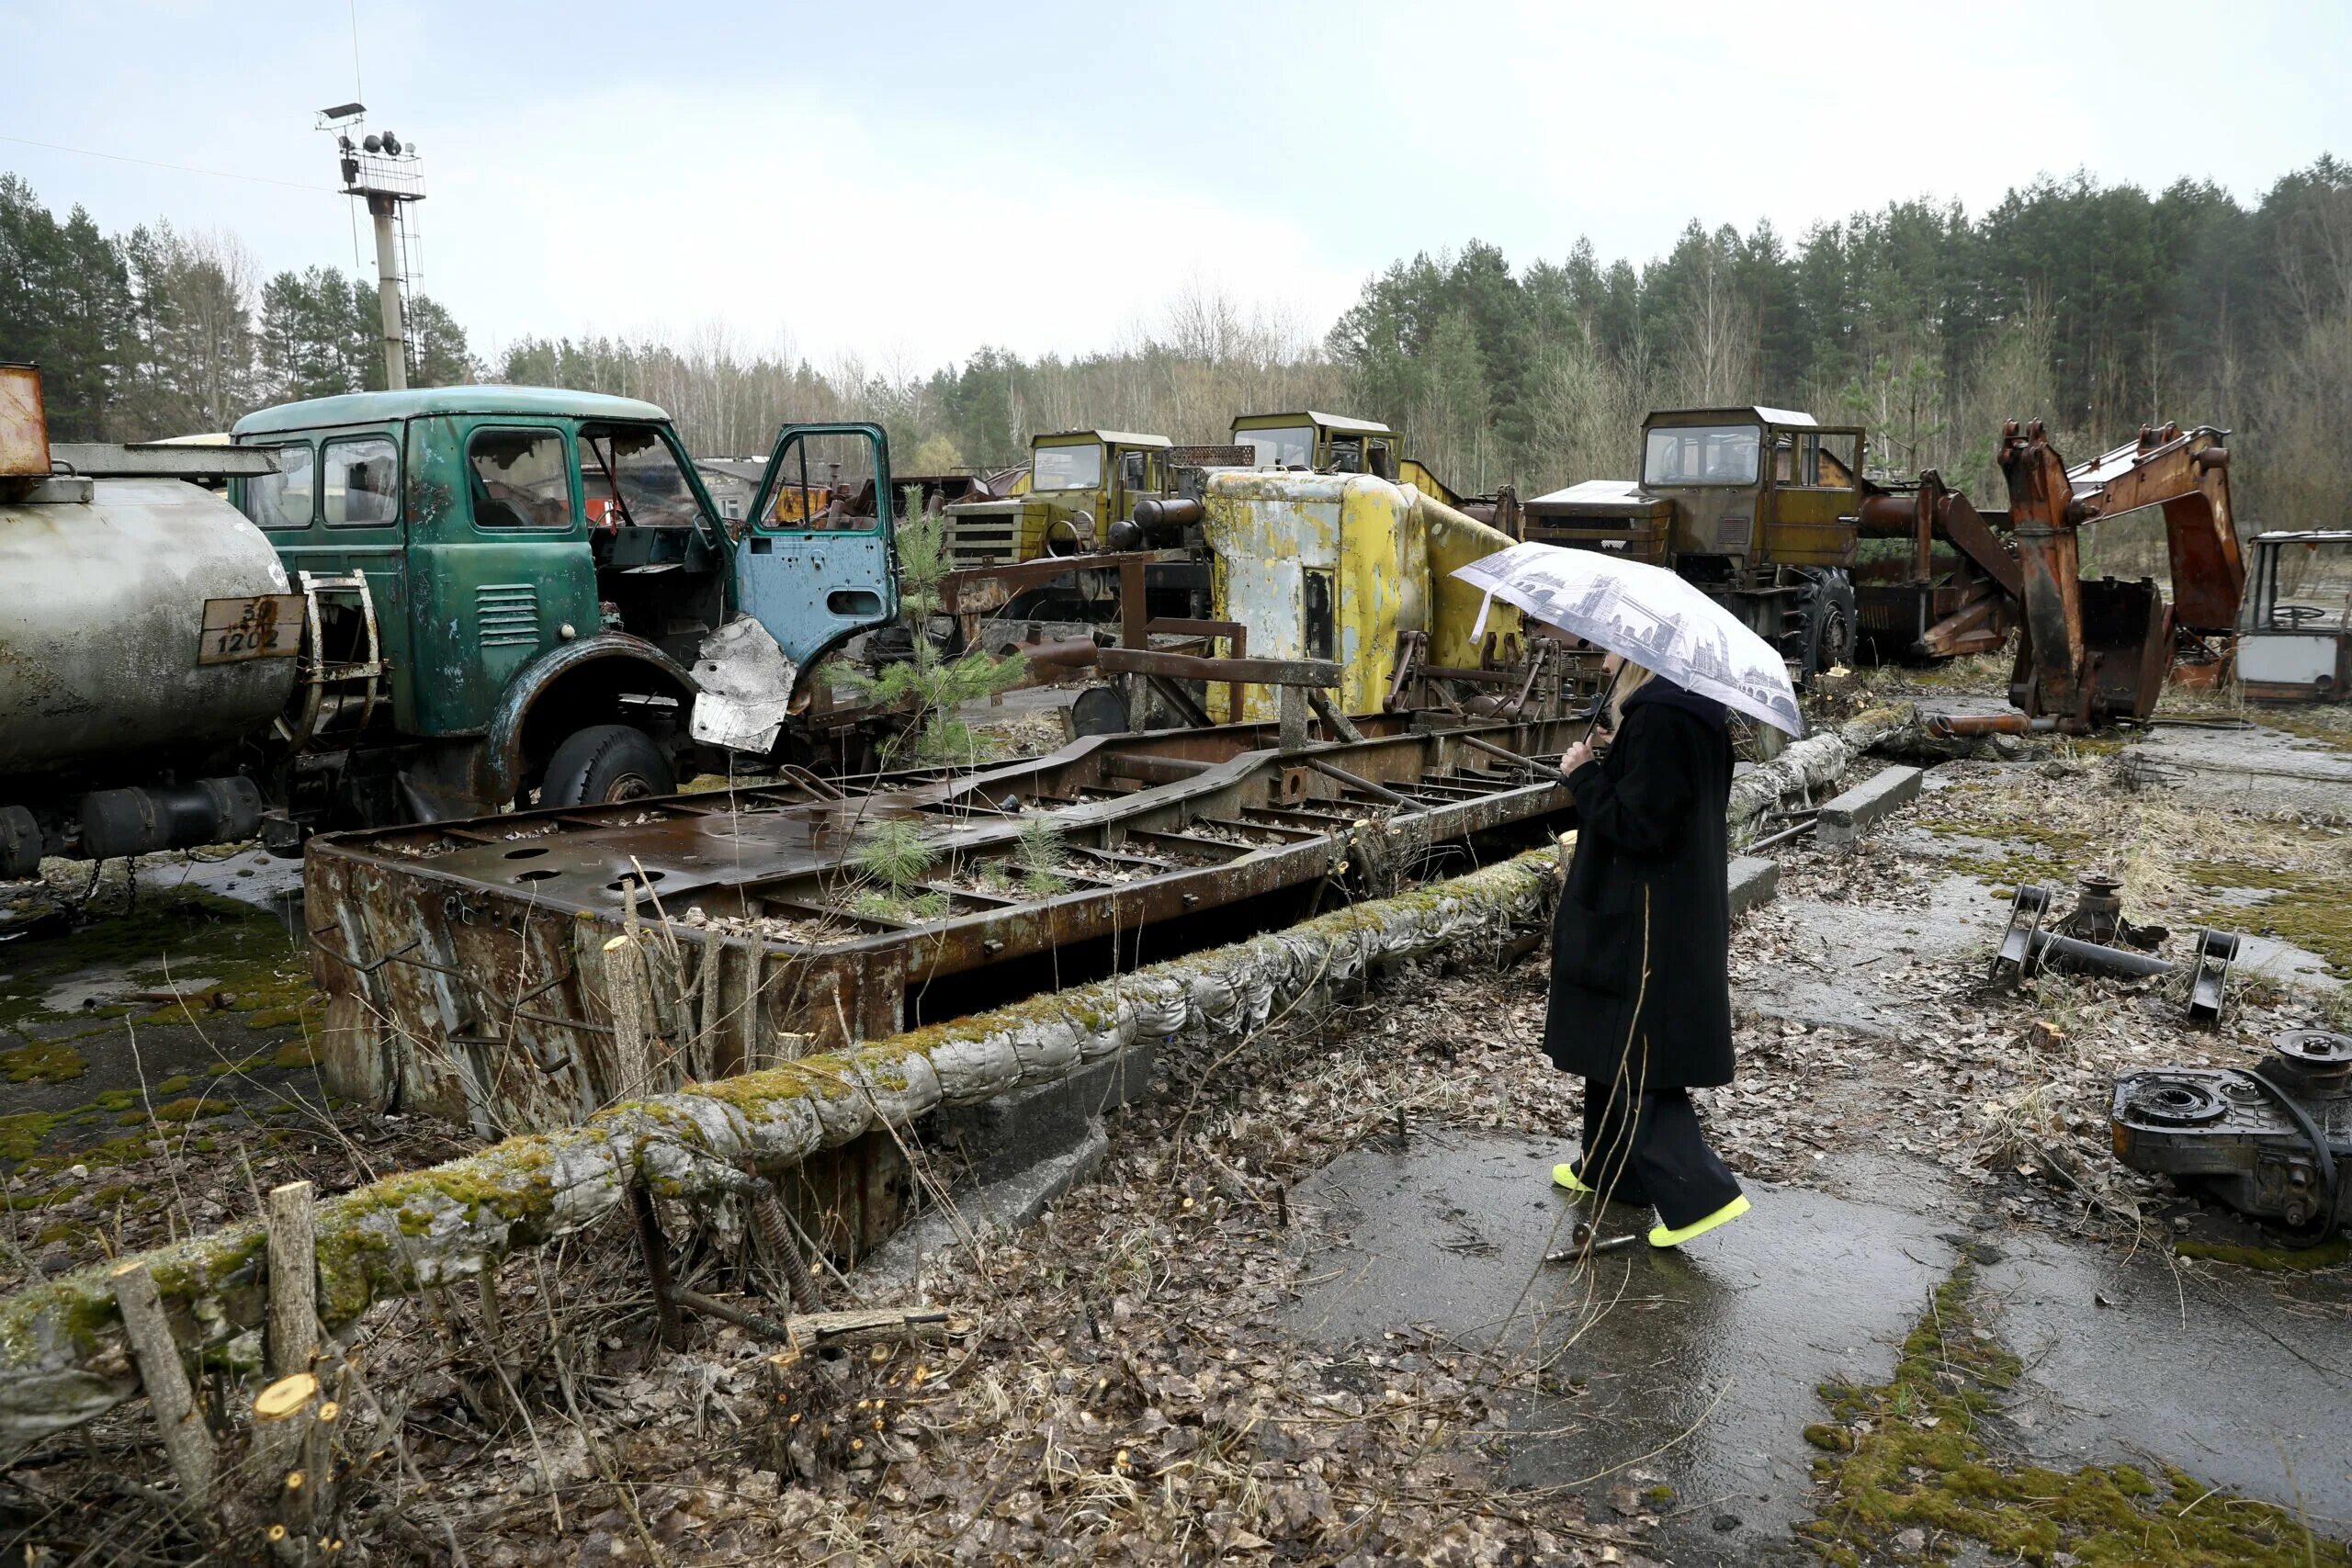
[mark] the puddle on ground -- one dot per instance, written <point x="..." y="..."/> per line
<point x="2209" y="1368"/>
<point x="1711" y="1354"/>
<point x="105" y="984"/>
<point x="1698" y="1367"/>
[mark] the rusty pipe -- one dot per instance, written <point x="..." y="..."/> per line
<point x="1069" y="653"/>
<point x="2056" y="951"/>
<point x="1888" y="516"/>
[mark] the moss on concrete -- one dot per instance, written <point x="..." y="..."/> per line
<point x="1915" y="1453"/>
<point x="42" y="1061"/>
<point x="22" y="1134"/>
<point x="2336" y="1249"/>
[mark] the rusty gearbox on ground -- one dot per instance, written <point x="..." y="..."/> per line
<point x="2272" y="1141"/>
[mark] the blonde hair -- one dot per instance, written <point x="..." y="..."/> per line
<point x="1631" y="678"/>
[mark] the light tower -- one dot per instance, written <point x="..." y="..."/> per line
<point x="385" y="172"/>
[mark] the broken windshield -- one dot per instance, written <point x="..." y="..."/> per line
<point x="1701" y="455"/>
<point x="629" y="475"/>
<point x="1067" y="467"/>
<point x="1291" y="447"/>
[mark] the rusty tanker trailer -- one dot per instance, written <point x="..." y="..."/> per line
<point x="121" y="722"/>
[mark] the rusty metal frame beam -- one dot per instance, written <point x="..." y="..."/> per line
<point x="480" y="928"/>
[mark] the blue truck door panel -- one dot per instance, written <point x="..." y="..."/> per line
<point x="817" y="566"/>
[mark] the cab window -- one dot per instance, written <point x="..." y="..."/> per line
<point x="1347" y="454"/>
<point x="519" y="479"/>
<point x="361" y="481"/>
<point x="1287" y="448"/>
<point x="285" y="499"/>
<point x="1701" y="455"/>
<point x="1831" y="461"/>
<point x="1132" y="470"/>
<point x="630" y="477"/>
<point x="824" y="479"/>
<point x="1065" y="467"/>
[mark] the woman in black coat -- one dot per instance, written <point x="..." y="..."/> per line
<point x="1641" y="994"/>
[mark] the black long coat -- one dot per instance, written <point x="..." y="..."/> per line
<point x="1645" y="918"/>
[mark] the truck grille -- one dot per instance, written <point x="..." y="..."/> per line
<point x="981" y="543"/>
<point x="507" y="615"/>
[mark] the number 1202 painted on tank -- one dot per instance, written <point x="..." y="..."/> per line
<point x="267" y="626"/>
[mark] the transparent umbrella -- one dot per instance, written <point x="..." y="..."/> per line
<point x="1650" y="616"/>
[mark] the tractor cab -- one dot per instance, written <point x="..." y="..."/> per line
<point x="2295" y="642"/>
<point x="1079" y="482"/>
<point x="1326" y="442"/>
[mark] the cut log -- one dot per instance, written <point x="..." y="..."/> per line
<point x="293" y="1279"/>
<point x="185" y="1441"/>
<point x="286" y="1397"/>
<point x="1809" y="764"/>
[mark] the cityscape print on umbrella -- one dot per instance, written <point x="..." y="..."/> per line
<point x="1651" y="616"/>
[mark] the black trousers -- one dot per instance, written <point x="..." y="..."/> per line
<point x="1647" y="1149"/>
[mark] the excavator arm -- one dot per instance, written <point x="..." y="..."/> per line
<point x="2095" y="652"/>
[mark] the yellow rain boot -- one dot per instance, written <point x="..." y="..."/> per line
<point x="1565" y="1176"/>
<point x="1661" y="1237"/>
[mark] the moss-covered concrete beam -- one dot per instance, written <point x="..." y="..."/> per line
<point x="1808" y="764"/>
<point x="62" y="1358"/>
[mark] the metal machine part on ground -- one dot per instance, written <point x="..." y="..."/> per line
<point x="464" y="962"/>
<point x="2081" y="942"/>
<point x="2272" y="1141"/>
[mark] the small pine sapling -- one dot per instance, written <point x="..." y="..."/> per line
<point x="1040" y="857"/>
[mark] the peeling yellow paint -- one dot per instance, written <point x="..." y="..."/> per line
<point x="1388" y="547"/>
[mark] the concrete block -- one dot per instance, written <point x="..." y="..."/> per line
<point x="1843" y="819"/>
<point x="994" y="1208"/>
<point x="1753" y="881"/>
<point x="1013" y="1132"/>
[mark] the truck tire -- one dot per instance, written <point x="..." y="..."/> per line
<point x="605" y="764"/>
<point x="1830" y="622"/>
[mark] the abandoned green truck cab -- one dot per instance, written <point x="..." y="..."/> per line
<point x="508" y="587"/>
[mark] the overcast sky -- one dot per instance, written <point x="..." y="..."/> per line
<point x="908" y="183"/>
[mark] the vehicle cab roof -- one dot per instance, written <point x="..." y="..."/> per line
<point x="1109" y="437"/>
<point x="1745" y="413"/>
<point x="378" y="408"/>
<point x="1344" y="424"/>
<point x="1587" y="496"/>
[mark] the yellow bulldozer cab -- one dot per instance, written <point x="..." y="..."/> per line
<point x="1335" y="566"/>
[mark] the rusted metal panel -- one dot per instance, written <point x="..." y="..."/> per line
<point x="23" y="424"/>
<point x="464" y="961"/>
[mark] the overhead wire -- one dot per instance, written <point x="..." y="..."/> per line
<point x="175" y="168"/>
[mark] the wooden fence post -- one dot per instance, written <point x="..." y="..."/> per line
<point x="628" y="987"/>
<point x="186" y="1439"/>
<point x="293" y="1279"/>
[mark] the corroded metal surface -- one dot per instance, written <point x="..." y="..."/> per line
<point x="102" y="620"/>
<point x="464" y="962"/>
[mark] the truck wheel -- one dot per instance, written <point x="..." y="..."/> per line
<point x="1830" y="623"/>
<point x="605" y="764"/>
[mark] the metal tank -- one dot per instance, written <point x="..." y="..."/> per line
<point x="108" y="588"/>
